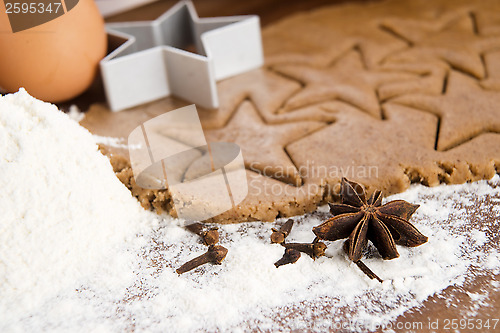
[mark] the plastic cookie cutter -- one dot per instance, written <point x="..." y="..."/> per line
<point x="154" y="61"/>
<point x="203" y="179"/>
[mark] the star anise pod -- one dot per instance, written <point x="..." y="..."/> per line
<point x="361" y="220"/>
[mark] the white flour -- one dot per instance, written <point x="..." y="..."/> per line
<point x="65" y="217"/>
<point x="75" y="114"/>
<point x="76" y="255"/>
<point x="114" y="142"/>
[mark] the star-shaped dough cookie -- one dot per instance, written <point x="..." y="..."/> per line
<point x="263" y="145"/>
<point x="267" y="90"/>
<point x="390" y="154"/>
<point x="450" y="39"/>
<point x="368" y="150"/>
<point x="347" y="80"/>
<point x="465" y="110"/>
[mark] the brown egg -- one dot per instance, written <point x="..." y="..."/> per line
<point x="56" y="60"/>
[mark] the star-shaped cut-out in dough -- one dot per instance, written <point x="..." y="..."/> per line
<point x="315" y="38"/>
<point x="492" y="80"/>
<point x="267" y="91"/>
<point x="262" y="145"/>
<point x="488" y="22"/>
<point x="390" y="154"/>
<point x="290" y="43"/>
<point x="429" y="79"/>
<point x="465" y="110"/>
<point x="371" y="151"/>
<point x="452" y="40"/>
<point x="347" y="80"/>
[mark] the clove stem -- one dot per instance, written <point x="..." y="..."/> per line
<point x="195" y="228"/>
<point x="291" y="256"/>
<point x="214" y="255"/>
<point x="368" y="271"/>
<point x="314" y="250"/>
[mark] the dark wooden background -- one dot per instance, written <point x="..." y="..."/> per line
<point x="268" y="10"/>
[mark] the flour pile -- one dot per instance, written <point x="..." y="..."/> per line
<point x="247" y="291"/>
<point x="65" y="218"/>
<point x="78" y="254"/>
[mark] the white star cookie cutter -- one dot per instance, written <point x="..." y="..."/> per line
<point x="153" y="61"/>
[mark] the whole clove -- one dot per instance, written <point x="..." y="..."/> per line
<point x="214" y="255"/>
<point x="291" y="256"/>
<point x="209" y="237"/>
<point x="278" y="236"/>
<point x="315" y="249"/>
